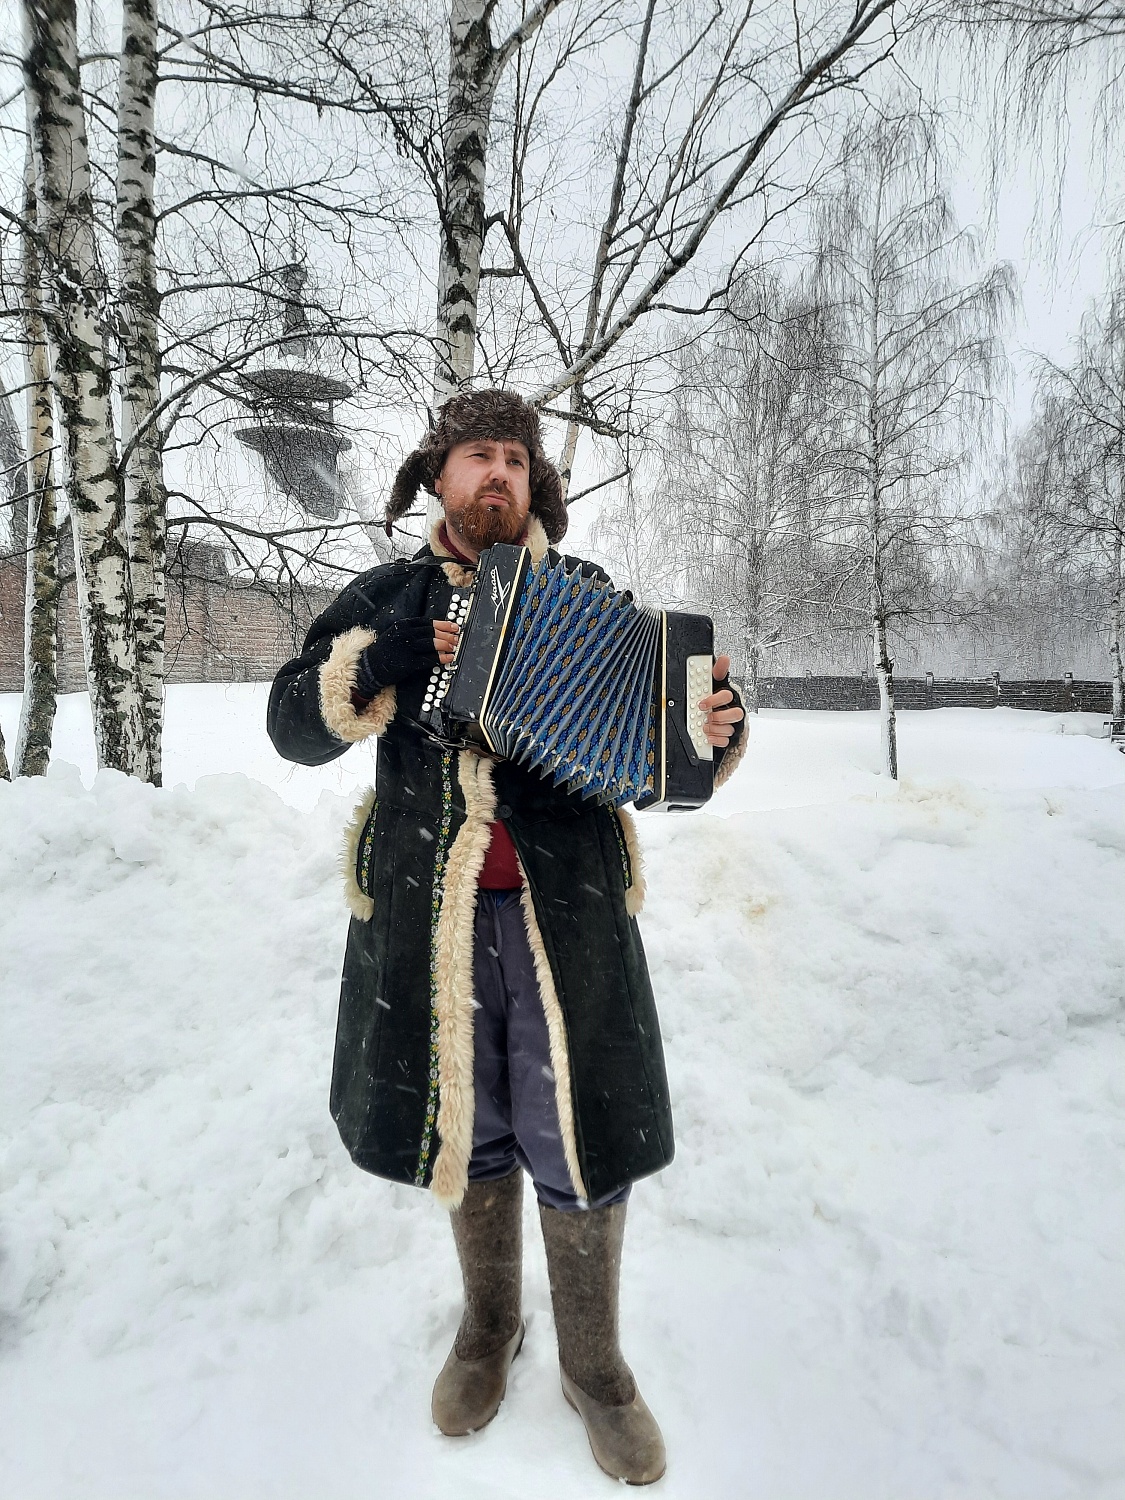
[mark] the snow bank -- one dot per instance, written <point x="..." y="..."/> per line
<point x="887" y="1261"/>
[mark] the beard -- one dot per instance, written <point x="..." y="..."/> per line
<point x="482" y="526"/>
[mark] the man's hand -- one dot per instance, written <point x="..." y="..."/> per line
<point x="445" y="640"/>
<point x="721" y="718"/>
<point x="404" y="648"/>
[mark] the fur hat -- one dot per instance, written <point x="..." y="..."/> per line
<point x="496" y="414"/>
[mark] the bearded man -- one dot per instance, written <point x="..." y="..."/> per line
<point x="496" y="1015"/>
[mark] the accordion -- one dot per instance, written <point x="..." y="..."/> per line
<point x="558" y="672"/>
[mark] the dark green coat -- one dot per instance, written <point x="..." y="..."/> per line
<point x="402" y="1083"/>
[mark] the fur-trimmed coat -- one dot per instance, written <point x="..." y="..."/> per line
<point x="402" y="1082"/>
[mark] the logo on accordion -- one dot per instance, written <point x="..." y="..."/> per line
<point x="500" y="592"/>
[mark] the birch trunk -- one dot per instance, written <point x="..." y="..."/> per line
<point x="75" y="292"/>
<point x="1116" y="624"/>
<point x="472" y="88"/>
<point x="881" y="657"/>
<point x="570" y="440"/>
<point x="753" y="628"/>
<point x="143" y="465"/>
<point x="754" y="658"/>
<point x="884" y="672"/>
<point x="475" y="65"/>
<point x="43" y="587"/>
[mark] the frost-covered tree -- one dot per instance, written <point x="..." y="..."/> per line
<point x="1073" y="474"/>
<point x="138" y="298"/>
<point x="919" y="355"/>
<point x="747" y="509"/>
<point x="75" y="296"/>
<point x="43" y="585"/>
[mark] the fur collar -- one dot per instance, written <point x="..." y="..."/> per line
<point x="536" y="542"/>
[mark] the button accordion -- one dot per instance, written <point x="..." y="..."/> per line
<point x="559" y="672"/>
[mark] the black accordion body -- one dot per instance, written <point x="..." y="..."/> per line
<point x="560" y="673"/>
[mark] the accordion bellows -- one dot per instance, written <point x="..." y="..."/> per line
<point x="557" y="671"/>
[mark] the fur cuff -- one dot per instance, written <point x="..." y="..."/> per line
<point x="337" y="679"/>
<point x="359" y="903"/>
<point x="732" y="755"/>
<point x="635" y="894"/>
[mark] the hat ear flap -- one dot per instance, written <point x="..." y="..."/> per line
<point x="409" y="478"/>
<point x="547" y="499"/>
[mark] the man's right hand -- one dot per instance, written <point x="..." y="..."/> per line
<point x="445" y="640"/>
<point x="404" y="648"/>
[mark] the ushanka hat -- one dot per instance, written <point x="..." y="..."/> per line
<point x="501" y="416"/>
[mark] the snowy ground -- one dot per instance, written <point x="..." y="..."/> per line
<point x="889" y="1260"/>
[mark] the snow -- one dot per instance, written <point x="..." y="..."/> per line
<point x="887" y="1261"/>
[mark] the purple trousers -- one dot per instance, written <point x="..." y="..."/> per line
<point x="517" y="1120"/>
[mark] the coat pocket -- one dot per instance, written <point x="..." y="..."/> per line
<point x="358" y="860"/>
<point x="365" y="855"/>
<point x="623" y="851"/>
<point x="631" y="863"/>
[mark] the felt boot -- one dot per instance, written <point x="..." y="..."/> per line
<point x="487" y="1229"/>
<point x="584" y="1265"/>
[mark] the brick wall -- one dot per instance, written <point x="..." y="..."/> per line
<point x="220" y="629"/>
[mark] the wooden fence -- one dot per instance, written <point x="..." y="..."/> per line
<point x="1058" y="696"/>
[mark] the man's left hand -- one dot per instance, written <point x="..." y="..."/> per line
<point x="721" y="717"/>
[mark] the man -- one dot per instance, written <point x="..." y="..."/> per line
<point x="496" y="1014"/>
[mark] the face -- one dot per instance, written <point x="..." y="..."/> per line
<point x="485" y="488"/>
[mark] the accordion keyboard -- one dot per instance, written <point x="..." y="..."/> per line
<point x="441" y="676"/>
<point x="699" y="685"/>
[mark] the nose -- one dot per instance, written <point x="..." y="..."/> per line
<point x="497" y="471"/>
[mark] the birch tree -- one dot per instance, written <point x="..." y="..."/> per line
<point x="1075" y="487"/>
<point x="139" y="303"/>
<point x="697" y="154"/>
<point x="476" y="64"/>
<point x="75" y="301"/>
<point x="43" y="585"/>
<point x="588" y="222"/>
<point x="747" y="507"/>
<point x="919" y="356"/>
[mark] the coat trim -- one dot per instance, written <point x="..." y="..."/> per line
<point x="337" y="679"/>
<point x="461" y="575"/>
<point x="637" y="886"/>
<point x="556" y="1034"/>
<point x="732" y="756"/>
<point x="359" y="903"/>
<point x="453" y="980"/>
<point x="536" y="539"/>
